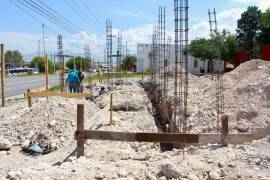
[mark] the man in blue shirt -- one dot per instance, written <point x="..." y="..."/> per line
<point x="73" y="81"/>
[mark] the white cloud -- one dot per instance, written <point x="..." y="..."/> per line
<point x="16" y="40"/>
<point x="139" y="35"/>
<point x="226" y="19"/>
<point x="27" y="43"/>
<point x="200" y="29"/>
<point x="262" y="4"/>
<point x="80" y="39"/>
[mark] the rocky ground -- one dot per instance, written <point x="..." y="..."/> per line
<point x="53" y="120"/>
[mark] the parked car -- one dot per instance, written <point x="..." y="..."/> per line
<point x="92" y="70"/>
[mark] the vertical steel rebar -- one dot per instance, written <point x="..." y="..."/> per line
<point x="61" y="61"/>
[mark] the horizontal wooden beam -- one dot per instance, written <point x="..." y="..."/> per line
<point x="59" y="94"/>
<point x="201" y="139"/>
<point x="231" y="138"/>
<point x="141" y="137"/>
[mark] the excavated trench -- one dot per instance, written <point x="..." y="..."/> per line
<point x="162" y="114"/>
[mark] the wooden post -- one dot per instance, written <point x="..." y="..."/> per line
<point x="225" y="131"/>
<point x="3" y="82"/>
<point x="80" y="130"/>
<point x="47" y="72"/>
<point x="142" y="74"/>
<point x="111" y="109"/>
<point x="29" y="98"/>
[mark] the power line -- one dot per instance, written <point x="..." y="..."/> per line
<point x="97" y="27"/>
<point x="100" y="27"/>
<point x="51" y="15"/>
<point x="33" y="17"/>
<point x="81" y="15"/>
<point x="60" y="15"/>
<point x="95" y="17"/>
<point x="44" y="16"/>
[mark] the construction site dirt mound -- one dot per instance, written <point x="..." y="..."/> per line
<point x="124" y="160"/>
<point x="246" y="97"/>
<point x="50" y="123"/>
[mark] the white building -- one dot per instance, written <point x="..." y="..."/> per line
<point x="195" y="66"/>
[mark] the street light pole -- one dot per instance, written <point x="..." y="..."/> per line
<point x="43" y="40"/>
<point x="39" y="48"/>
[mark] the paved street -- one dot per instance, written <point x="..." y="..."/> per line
<point x="19" y="85"/>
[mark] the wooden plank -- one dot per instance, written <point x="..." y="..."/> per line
<point x="3" y="81"/>
<point x="80" y="130"/>
<point x="141" y="137"/>
<point x="213" y="138"/>
<point x="225" y="131"/>
<point x="240" y="138"/>
<point x="51" y="94"/>
<point x="201" y="139"/>
<point x="209" y="138"/>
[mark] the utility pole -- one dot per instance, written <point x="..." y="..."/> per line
<point x="39" y="48"/>
<point x="44" y="40"/>
<point x="54" y="63"/>
<point x="126" y="50"/>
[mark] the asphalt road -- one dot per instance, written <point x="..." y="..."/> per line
<point x="18" y="85"/>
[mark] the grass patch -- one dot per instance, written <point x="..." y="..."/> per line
<point x="112" y="76"/>
<point x="54" y="89"/>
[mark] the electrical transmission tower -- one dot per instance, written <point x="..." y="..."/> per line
<point x="87" y="55"/>
<point x="181" y="65"/>
<point x="61" y="60"/>
<point x="219" y="74"/>
<point x="109" y="51"/>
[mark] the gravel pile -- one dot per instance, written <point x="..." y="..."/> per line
<point x="53" y="119"/>
<point x="246" y="96"/>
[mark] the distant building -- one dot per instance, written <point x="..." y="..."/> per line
<point x="195" y="65"/>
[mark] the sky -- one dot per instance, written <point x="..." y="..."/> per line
<point x="20" y="27"/>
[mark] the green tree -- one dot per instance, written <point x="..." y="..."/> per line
<point x="77" y="60"/>
<point x="247" y="28"/>
<point x="39" y="62"/>
<point x="203" y="49"/>
<point x="228" y="45"/>
<point x="264" y="35"/>
<point x="13" y="56"/>
<point x="265" y="19"/>
<point x="129" y="62"/>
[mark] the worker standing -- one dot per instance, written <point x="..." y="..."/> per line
<point x="73" y="81"/>
<point x="80" y="85"/>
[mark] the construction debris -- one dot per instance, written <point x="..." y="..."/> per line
<point x="246" y="95"/>
<point x="51" y="123"/>
<point x="5" y="144"/>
